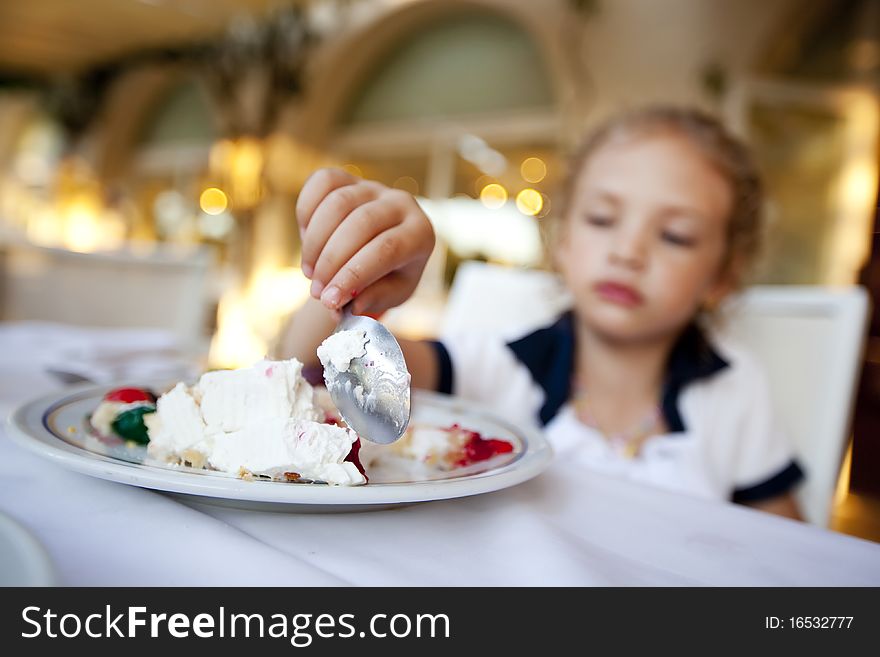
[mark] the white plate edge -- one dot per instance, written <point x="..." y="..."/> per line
<point x="532" y="462"/>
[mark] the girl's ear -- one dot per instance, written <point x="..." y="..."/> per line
<point x="727" y="282"/>
<point x="715" y="296"/>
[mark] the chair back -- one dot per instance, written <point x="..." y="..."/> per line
<point x="163" y="288"/>
<point x="502" y="300"/>
<point x="810" y="340"/>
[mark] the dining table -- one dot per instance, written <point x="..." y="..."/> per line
<point x="566" y="526"/>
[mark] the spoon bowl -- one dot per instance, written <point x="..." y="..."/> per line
<point x="371" y="390"/>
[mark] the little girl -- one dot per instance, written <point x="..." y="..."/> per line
<point x="660" y="216"/>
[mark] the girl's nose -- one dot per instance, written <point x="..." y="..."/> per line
<point x="629" y="249"/>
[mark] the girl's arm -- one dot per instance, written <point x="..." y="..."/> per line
<point x="361" y="242"/>
<point x="782" y="505"/>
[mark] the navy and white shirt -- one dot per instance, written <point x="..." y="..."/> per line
<point x="723" y="441"/>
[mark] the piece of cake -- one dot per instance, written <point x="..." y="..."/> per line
<point x="261" y="420"/>
<point x="444" y="448"/>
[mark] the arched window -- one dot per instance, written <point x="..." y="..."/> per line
<point x="178" y="133"/>
<point x="463" y="103"/>
<point x="464" y="66"/>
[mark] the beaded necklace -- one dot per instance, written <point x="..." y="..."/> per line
<point x="626" y="443"/>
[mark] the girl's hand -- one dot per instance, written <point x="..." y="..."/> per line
<point x="361" y="240"/>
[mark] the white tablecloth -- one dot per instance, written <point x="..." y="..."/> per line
<point x="565" y="527"/>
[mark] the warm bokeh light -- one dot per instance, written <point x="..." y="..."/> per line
<point x="842" y="489"/>
<point x="82" y="232"/>
<point x="87" y="227"/>
<point x="239" y="164"/>
<point x="75" y="217"/>
<point x="248" y="320"/>
<point x="493" y="196"/>
<point x="277" y="292"/>
<point x="481" y="182"/>
<point x="529" y="201"/>
<point x="858" y="184"/>
<point x="247" y="168"/>
<point x="213" y="201"/>
<point x="407" y="184"/>
<point x="353" y="169"/>
<point x="855" y="192"/>
<point x="533" y="169"/>
<point x="234" y="343"/>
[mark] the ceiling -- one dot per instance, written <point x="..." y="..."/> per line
<point x="47" y="37"/>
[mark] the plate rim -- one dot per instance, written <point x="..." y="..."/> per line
<point x="536" y="456"/>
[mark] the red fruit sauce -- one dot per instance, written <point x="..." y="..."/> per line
<point x="354" y="457"/>
<point x="129" y="395"/>
<point x="476" y="448"/>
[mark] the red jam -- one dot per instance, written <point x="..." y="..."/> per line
<point x="476" y="448"/>
<point x="129" y="395"/>
<point x="354" y="457"/>
<point x="354" y="454"/>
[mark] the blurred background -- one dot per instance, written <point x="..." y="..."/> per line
<point x="151" y="151"/>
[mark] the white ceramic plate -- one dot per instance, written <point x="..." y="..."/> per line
<point x="23" y="561"/>
<point x="56" y="427"/>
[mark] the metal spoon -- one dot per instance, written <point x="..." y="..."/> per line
<point x="373" y="394"/>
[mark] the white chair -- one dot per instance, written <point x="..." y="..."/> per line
<point x="810" y="340"/>
<point x="163" y="288"/>
<point x="502" y="300"/>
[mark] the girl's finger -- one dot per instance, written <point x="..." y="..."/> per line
<point x="331" y="212"/>
<point x="381" y="255"/>
<point x="315" y="189"/>
<point x="389" y="291"/>
<point x="352" y="232"/>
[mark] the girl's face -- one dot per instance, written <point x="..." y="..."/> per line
<point x="645" y="237"/>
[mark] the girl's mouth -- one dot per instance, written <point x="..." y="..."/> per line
<point x="618" y="293"/>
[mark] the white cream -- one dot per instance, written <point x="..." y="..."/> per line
<point x="261" y="419"/>
<point x="339" y="349"/>
<point x="432" y="446"/>
<point x="177" y="427"/>
<point x="233" y="399"/>
<point x="276" y="446"/>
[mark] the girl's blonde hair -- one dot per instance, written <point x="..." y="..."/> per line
<point x="727" y="154"/>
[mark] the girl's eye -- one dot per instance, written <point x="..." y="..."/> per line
<point x="676" y="239"/>
<point x="599" y="220"/>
